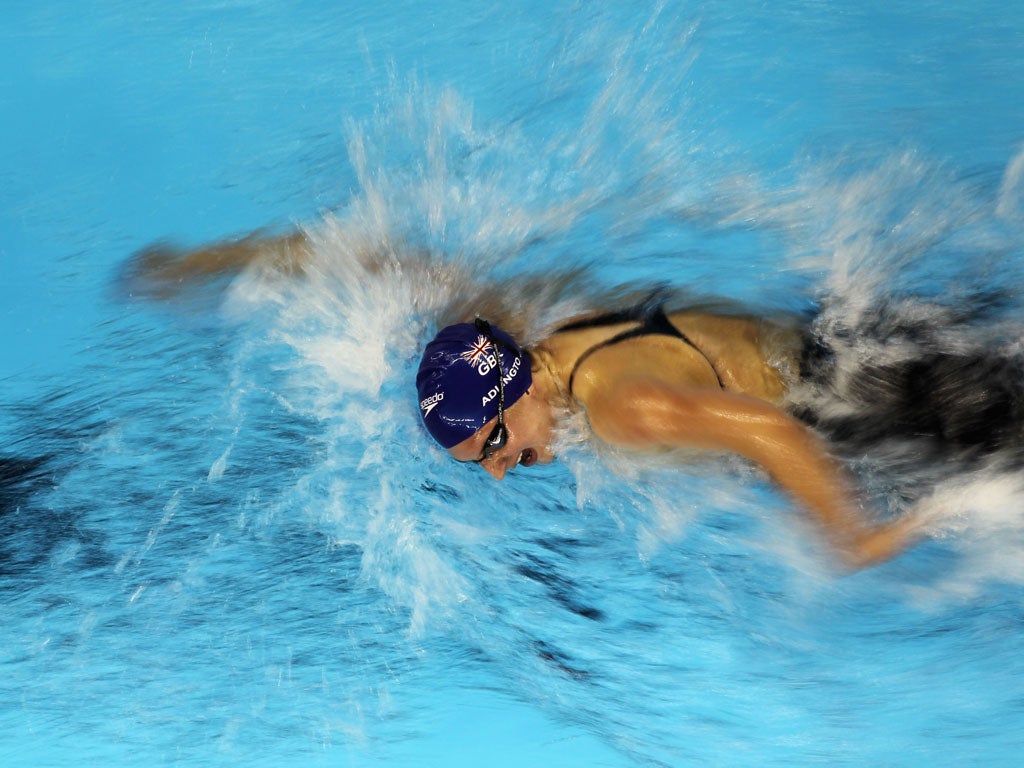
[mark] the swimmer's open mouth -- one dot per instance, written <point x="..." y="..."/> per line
<point x="528" y="457"/>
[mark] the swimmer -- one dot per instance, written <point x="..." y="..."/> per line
<point x="646" y="379"/>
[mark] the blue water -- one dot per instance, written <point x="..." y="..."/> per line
<point x="224" y="537"/>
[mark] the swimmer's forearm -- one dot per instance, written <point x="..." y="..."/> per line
<point x="646" y="416"/>
<point x="795" y="460"/>
<point x="162" y="271"/>
<point x="287" y="253"/>
<point x="803" y="468"/>
<point x="798" y="461"/>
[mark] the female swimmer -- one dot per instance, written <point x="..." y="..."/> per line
<point x="646" y="379"/>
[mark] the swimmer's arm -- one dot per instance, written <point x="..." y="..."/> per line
<point x="163" y="271"/>
<point x="644" y="414"/>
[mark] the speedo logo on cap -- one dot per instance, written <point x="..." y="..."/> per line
<point x="428" y="404"/>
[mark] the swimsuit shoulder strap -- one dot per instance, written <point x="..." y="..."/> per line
<point x="633" y="314"/>
<point x="652" y="321"/>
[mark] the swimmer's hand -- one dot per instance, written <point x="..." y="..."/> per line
<point x="871" y="545"/>
<point x="164" y="272"/>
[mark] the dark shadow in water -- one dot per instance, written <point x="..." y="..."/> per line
<point x="948" y="395"/>
<point x="30" y="530"/>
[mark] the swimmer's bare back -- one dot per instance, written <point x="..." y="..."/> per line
<point x="740" y="353"/>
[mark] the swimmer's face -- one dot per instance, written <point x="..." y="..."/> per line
<point x="530" y="426"/>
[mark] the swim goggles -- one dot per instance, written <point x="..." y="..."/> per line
<point x="499" y="435"/>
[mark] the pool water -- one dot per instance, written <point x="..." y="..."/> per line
<point x="224" y="536"/>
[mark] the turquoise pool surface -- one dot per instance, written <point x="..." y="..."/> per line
<point x="225" y="538"/>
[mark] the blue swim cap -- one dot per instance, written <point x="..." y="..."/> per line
<point x="458" y="380"/>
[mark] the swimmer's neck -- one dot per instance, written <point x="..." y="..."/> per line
<point x="550" y="378"/>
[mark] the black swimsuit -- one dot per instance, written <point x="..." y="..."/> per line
<point x="652" y="321"/>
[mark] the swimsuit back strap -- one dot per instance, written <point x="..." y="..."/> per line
<point x="653" y="321"/>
